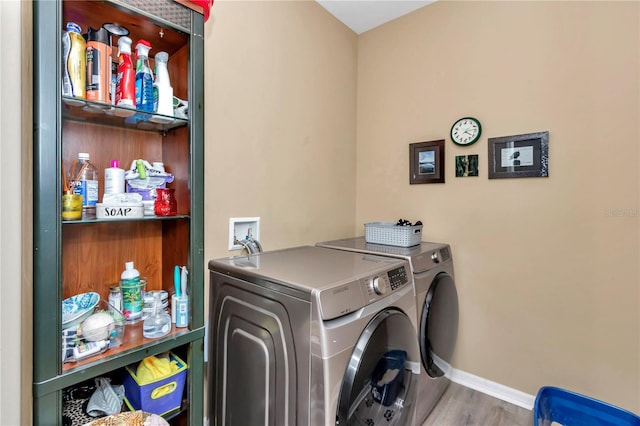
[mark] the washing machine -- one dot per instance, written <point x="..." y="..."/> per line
<point x="436" y="300"/>
<point x="312" y="336"/>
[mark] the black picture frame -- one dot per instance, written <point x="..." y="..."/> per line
<point x="426" y="162"/>
<point x="519" y="156"/>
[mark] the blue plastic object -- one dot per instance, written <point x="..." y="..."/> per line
<point x="572" y="409"/>
<point x="388" y="377"/>
<point x="162" y="396"/>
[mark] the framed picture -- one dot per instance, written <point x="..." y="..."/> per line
<point x="519" y="156"/>
<point x="426" y="162"/>
<point x="466" y="165"/>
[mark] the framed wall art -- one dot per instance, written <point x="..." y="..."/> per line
<point x="466" y="165"/>
<point x="519" y="156"/>
<point x="426" y="162"/>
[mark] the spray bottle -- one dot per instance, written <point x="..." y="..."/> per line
<point x="126" y="81"/>
<point x="163" y="84"/>
<point x="144" y="78"/>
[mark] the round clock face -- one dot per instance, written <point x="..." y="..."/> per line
<point x="466" y="131"/>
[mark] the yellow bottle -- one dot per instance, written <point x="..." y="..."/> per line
<point x="74" y="51"/>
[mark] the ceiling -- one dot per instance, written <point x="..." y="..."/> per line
<point x="363" y="15"/>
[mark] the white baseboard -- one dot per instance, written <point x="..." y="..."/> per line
<point x="496" y="390"/>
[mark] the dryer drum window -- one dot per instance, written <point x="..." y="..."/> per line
<point x="439" y="326"/>
<point x="379" y="386"/>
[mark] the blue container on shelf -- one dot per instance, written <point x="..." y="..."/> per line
<point x="161" y="396"/>
<point x="572" y="409"/>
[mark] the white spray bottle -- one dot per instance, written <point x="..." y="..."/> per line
<point x="163" y="85"/>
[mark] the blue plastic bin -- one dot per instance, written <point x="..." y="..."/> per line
<point x="161" y="396"/>
<point x="572" y="409"/>
<point x="388" y="377"/>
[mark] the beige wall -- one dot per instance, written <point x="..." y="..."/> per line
<point x="547" y="269"/>
<point x="548" y="278"/>
<point x="280" y="114"/>
<point x="280" y="123"/>
<point x="10" y="213"/>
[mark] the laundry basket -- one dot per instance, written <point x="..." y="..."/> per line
<point x="391" y="234"/>
<point x="558" y="406"/>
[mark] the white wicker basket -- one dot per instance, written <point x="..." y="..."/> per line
<point x="392" y="235"/>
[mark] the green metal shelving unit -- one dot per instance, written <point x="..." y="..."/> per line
<point x="49" y="377"/>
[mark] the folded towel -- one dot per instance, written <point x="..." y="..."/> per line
<point x="154" y="368"/>
<point x="106" y="400"/>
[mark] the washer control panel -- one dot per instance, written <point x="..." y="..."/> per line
<point x="379" y="285"/>
<point x="398" y="277"/>
<point x="336" y="301"/>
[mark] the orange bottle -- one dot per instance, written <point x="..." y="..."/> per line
<point x="98" y="65"/>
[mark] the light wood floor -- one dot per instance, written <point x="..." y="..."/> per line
<point x="462" y="406"/>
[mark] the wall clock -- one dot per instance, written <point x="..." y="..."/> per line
<point x="466" y="131"/>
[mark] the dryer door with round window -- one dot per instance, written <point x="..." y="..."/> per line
<point x="438" y="325"/>
<point x="379" y="386"/>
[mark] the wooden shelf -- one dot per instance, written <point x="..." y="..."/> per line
<point x="107" y="363"/>
<point x="139" y="219"/>
<point x="133" y="339"/>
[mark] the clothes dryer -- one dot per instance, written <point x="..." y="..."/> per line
<point x="436" y="300"/>
<point x="312" y="336"/>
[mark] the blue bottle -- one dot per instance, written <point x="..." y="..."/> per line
<point x="144" y="78"/>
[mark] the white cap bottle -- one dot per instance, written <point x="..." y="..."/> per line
<point x="163" y="83"/>
<point x="114" y="179"/>
<point x="85" y="179"/>
<point x="132" y="292"/>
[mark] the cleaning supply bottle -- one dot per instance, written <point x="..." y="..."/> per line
<point x="86" y="349"/>
<point x="114" y="179"/>
<point x="98" y="65"/>
<point x="85" y="182"/>
<point x="74" y="57"/>
<point x="144" y="78"/>
<point x="163" y="84"/>
<point x="113" y="82"/>
<point x="126" y="80"/>
<point x="132" y="293"/>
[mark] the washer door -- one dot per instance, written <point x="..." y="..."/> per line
<point x="439" y="325"/>
<point x="379" y="386"/>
